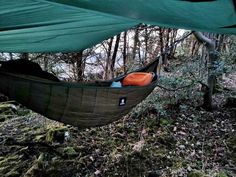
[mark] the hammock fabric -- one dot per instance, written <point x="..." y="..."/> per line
<point x="74" y="25"/>
<point x="81" y="105"/>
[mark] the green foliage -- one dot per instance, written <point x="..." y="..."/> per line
<point x="178" y="89"/>
<point x="153" y="104"/>
<point x="229" y="54"/>
<point x="182" y="88"/>
<point x="222" y="174"/>
<point x="196" y="173"/>
<point x="165" y="122"/>
<point x="69" y="151"/>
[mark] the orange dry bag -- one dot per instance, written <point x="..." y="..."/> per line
<point x="138" y="79"/>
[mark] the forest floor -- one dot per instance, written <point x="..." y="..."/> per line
<point x="166" y="140"/>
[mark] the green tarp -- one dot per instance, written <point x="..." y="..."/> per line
<point x="73" y="25"/>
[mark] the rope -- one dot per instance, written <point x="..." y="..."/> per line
<point x="176" y="89"/>
<point x="160" y="62"/>
<point x="167" y="49"/>
<point x="176" y="42"/>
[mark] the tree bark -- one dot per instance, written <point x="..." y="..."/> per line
<point x="125" y="52"/>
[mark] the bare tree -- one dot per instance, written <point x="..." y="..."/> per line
<point x="125" y="52"/>
<point x="10" y="56"/>
<point x="136" y="40"/>
<point x="113" y="59"/>
<point x="107" y="73"/>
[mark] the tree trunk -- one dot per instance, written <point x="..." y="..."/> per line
<point x="220" y="42"/>
<point x="161" y="40"/>
<point x="173" y="37"/>
<point x="211" y="81"/>
<point x="24" y="56"/>
<point x="11" y="56"/>
<point x="79" y="66"/>
<point x="166" y="54"/>
<point x="194" y="48"/>
<point x="45" y="63"/>
<point x="125" y="52"/>
<point x="146" y="43"/>
<point x="136" y="38"/>
<point x="113" y="59"/>
<point x="108" y="61"/>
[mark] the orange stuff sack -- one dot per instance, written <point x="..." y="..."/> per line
<point x="137" y="79"/>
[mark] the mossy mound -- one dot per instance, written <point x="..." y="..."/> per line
<point x="69" y="151"/>
<point x="56" y="135"/>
